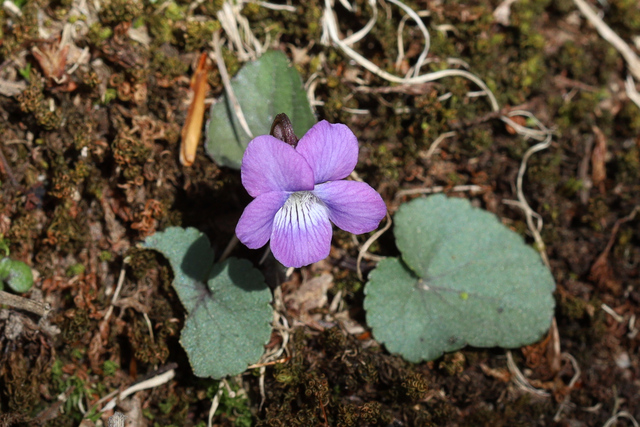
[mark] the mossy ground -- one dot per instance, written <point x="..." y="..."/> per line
<point x="92" y="168"/>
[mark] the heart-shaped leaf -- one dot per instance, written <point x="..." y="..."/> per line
<point x="229" y="315"/>
<point x="264" y="89"/>
<point x="191" y="258"/>
<point x="228" y="329"/>
<point x="464" y="278"/>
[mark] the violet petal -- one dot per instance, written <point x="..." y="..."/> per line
<point x="256" y="222"/>
<point x="353" y="206"/>
<point x="301" y="231"/>
<point x="272" y="165"/>
<point x="330" y="149"/>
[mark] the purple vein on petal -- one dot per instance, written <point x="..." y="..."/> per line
<point x="330" y="149"/>
<point x="353" y="206"/>
<point x="255" y="224"/>
<point x="301" y="231"/>
<point x="272" y="165"/>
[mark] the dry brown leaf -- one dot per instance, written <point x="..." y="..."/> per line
<point x="598" y="159"/>
<point x="312" y="294"/>
<point x="193" y="124"/>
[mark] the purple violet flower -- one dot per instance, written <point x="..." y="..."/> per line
<point x="300" y="190"/>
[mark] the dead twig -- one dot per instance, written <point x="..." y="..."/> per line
<point x="439" y="189"/>
<point x="226" y="81"/>
<point x="215" y="402"/>
<point x="4" y="165"/>
<point x="369" y="242"/>
<point x="600" y="269"/>
<point x="26" y="304"/>
<point x="152" y="382"/>
<point x="633" y="62"/>
<point x="621" y="414"/>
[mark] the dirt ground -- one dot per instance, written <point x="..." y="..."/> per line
<point x="93" y="96"/>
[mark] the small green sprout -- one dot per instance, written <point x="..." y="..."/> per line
<point x="16" y="274"/>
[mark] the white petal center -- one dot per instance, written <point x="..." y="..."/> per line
<point x="302" y="208"/>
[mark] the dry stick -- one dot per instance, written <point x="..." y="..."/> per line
<point x="632" y="93"/>
<point x="427" y="39"/>
<point x="524" y="205"/>
<point x="116" y="294"/>
<point x="156" y="381"/>
<point x="436" y="143"/>
<point x="520" y="380"/>
<point x="274" y="6"/>
<point x="612" y="313"/>
<point x="572" y="383"/>
<point x="26" y="304"/>
<point x="7" y="169"/>
<point x="214" y="403"/>
<point x="224" y="76"/>
<point x="229" y="22"/>
<point x="439" y="189"/>
<point x="330" y="28"/>
<point x="369" y="242"/>
<point x="359" y="35"/>
<point x="633" y="62"/>
<point x="621" y="414"/>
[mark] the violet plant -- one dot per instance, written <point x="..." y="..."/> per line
<point x="299" y="190"/>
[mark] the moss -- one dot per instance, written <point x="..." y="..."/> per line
<point x="386" y="163"/>
<point x="624" y="16"/>
<point x="32" y="98"/>
<point x="98" y="34"/>
<point x="161" y="29"/>
<point x="476" y="141"/>
<point x="23" y="229"/>
<point x="23" y="30"/>
<point x="26" y="367"/>
<point x="75" y="270"/>
<point x="146" y="348"/>
<point x="627" y="164"/>
<point x="572" y="307"/>
<point x="199" y="34"/>
<point x="141" y="261"/>
<point x="66" y="229"/>
<point x="304" y="24"/>
<point x="130" y="152"/>
<point x="168" y="65"/>
<point x="453" y="363"/>
<point x="212" y="7"/>
<point x="116" y="11"/>
<point x="76" y="325"/>
<point x="415" y="386"/>
<point x="597" y="212"/>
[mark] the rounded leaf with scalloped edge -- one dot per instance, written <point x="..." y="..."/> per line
<point x="228" y="304"/>
<point x="464" y="278"/>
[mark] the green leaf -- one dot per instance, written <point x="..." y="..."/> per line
<point x="228" y="330"/>
<point x="191" y="258"/>
<point x="16" y="274"/>
<point x="464" y="278"/>
<point x="228" y="304"/>
<point x="264" y="89"/>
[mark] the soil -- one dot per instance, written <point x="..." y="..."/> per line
<point x="92" y="103"/>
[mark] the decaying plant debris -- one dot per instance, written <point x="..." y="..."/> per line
<point x="92" y="103"/>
